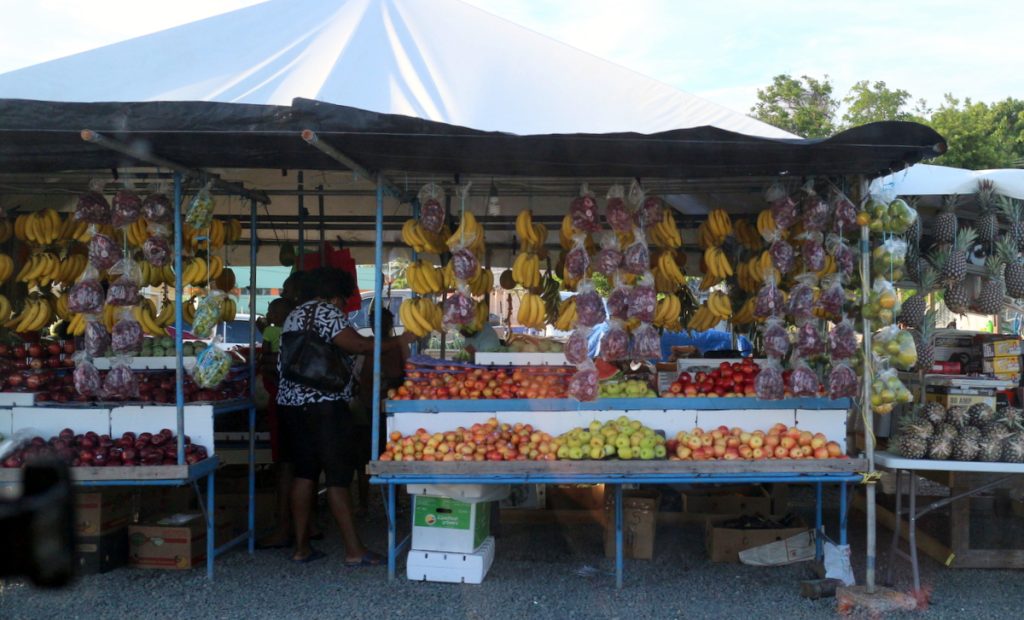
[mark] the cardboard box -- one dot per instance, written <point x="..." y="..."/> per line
<point x="445" y="524"/>
<point x="526" y="497"/>
<point x="1001" y="365"/>
<point x="450" y="567"/>
<point x="1008" y="376"/>
<point x="575" y="497"/>
<point x="175" y="542"/>
<point x="101" y="554"/>
<point x="758" y="501"/>
<point x="725" y="543"/>
<point x="959" y="397"/>
<point x="99" y="512"/>
<point x="1000" y="346"/>
<point x="462" y="492"/>
<point x="639" y="524"/>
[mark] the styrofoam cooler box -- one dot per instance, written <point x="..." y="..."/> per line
<point x="446" y="524"/>
<point x="463" y="492"/>
<point x="6" y="422"/>
<point x="152" y="418"/>
<point x="49" y="421"/>
<point x="449" y="567"/>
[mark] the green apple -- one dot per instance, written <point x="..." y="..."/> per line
<point x="595" y="427"/>
<point x="647" y="453"/>
<point x="609" y="449"/>
<point x="575" y="453"/>
<point x="660" y="451"/>
<point x="621" y="442"/>
<point x="597" y="453"/>
<point x="563" y="452"/>
<point x="626" y="453"/>
<point x="646" y="442"/>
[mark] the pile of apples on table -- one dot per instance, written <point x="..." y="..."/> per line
<point x="729" y="380"/>
<point x="730" y="444"/>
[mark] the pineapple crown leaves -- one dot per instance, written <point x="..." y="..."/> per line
<point x="1007" y="251"/>
<point x="965" y="238"/>
<point x="986" y="194"/>
<point x="926" y="281"/>
<point x="938" y="257"/>
<point x="951" y="202"/>
<point x="927" y="329"/>
<point x="994" y="266"/>
<point x="1010" y="209"/>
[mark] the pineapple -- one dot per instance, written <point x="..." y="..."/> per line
<point x="1014" y="273"/>
<point x="1013" y="449"/>
<point x="913" y="309"/>
<point x="957" y="417"/>
<point x="912" y="438"/>
<point x="967" y="444"/>
<point x="1013" y="213"/>
<point x="933" y="412"/>
<point x="953" y="264"/>
<point x="956" y="298"/>
<point x="993" y="436"/>
<point x="980" y="414"/>
<point x="1012" y="416"/>
<point x="924" y="341"/>
<point x="987" y="223"/>
<point x="993" y="289"/>
<point x="940" y="445"/>
<point x="944" y="230"/>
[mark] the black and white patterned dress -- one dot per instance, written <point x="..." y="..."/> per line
<point x="328" y="321"/>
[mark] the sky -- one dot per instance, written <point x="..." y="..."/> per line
<point x="723" y="50"/>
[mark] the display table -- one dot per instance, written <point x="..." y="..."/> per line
<point x="959" y="550"/>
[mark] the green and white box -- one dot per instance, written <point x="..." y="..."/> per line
<point x="446" y="524"/>
<point x="451" y="567"/>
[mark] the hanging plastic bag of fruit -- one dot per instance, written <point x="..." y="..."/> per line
<point x="844" y="213"/>
<point x="776" y="339"/>
<point x="208" y="313"/>
<point x="889" y="258"/>
<point x="842" y="341"/>
<point x="212" y="366"/>
<point x="616" y="213"/>
<point x="895" y="346"/>
<point x="832" y="299"/>
<point x="127" y="335"/>
<point x="126" y="208"/>
<point x="464" y="262"/>
<point x="842" y="253"/>
<point x="809" y="341"/>
<point x="86" y="296"/>
<point x="104" y="252"/>
<point x="124" y="290"/>
<point x="120" y="382"/>
<point x="784" y="212"/>
<point x="775" y="191"/>
<point x="577" y="260"/>
<point x="583" y="384"/>
<point x="883" y="304"/>
<point x="889" y="214"/>
<point x="783" y="256"/>
<point x="816" y="213"/>
<point x="431" y="211"/>
<point x="887" y="391"/>
<point x="459" y="309"/>
<point x="637" y="257"/>
<point x="157" y="251"/>
<point x="643" y="299"/>
<point x="96" y="338"/>
<point x="618" y="301"/>
<point x="200" y="211"/>
<point x="615" y="342"/>
<point x="589" y="306"/>
<point x="768" y="384"/>
<point x="646" y="343"/>
<point x="92" y="207"/>
<point x="802" y="380"/>
<point x="801" y="297"/>
<point x="157" y="209"/>
<point x="583" y="211"/>
<point x="843" y="382"/>
<point x="812" y="250"/>
<point x="609" y="258"/>
<point x="577" y="347"/>
<point x="649" y="209"/>
<point x="769" y="301"/>
<point x="86" y="377"/>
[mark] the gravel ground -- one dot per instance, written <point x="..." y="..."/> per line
<point x="536" y="574"/>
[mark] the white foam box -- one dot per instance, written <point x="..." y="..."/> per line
<point x="49" y="421"/>
<point x="520" y="359"/>
<point x="6" y="422"/>
<point x="152" y="418"/>
<point x="463" y="492"/>
<point x="17" y="399"/>
<point x="450" y="567"/>
<point x="445" y="524"/>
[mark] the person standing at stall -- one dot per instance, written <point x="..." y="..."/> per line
<point x="318" y="421"/>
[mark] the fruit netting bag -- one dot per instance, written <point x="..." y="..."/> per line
<point x="120" y="381"/>
<point x="157" y="251"/>
<point x="86" y="378"/>
<point x="127" y="335"/>
<point x="583" y="211"/>
<point x="784" y="212"/>
<point x="126" y="208"/>
<point x="124" y="291"/>
<point x="768" y="384"/>
<point x="104" y="252"/>
<point x="842" y="341"/>
<point x="577" y="347"/>
<point x="208" y="313"/>
<point x="212" y="366"/>
<point x="845" y="213"/>
<point x="775" y="191"/>
<point x="157" y="209"/>
<point x="801" y="297"/>
<point x="843" y="382"/>
<point x="832" y="298"/>
<point x="896" y="217"/>
<point x="464" y="263"/>
<point x="637" y="257"/>
<point x="843" y="254"/>
<point x="887" y="391"/>
<point x="577" y="260"/>
<point x="895" y="347"/>
<point x="776" y="339"/>
<point x="883" y="304"/>
<point x="589" y="305"/>
<point x="769" y="301"/>
<point x="643" y="299"/>
<point x="459" y="309"/>
<point x="803" y="381"/>
<point x="199" y="214"/>
<point x="92" y="207"/>
<point x="96" y="338"/>
<point x="809" y="341"/>
<point x="816" y="213"/>
<point x="583" y="384"/>
<point x="609" y="258"/>
<point x="616" y="213"/>
<point x="783" y="256"/>
<point x="615" y="342"/>
<point x="87" y="296"/>
<point x="646" y="343"/>
<point x="618" y="301"/>
<point x="888" y="258"/>
<point x="431" y="211"/>
<point x="812" y="250"/>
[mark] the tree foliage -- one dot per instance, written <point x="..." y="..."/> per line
<point x="869" y="103"/>
<point x="802" y="106"/>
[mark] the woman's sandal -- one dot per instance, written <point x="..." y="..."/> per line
<point x="369" y="559"/>
<point x="314" y="555"/>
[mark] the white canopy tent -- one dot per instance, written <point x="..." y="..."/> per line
<point x="928" y="180"/>
<point x="441" y="60"/>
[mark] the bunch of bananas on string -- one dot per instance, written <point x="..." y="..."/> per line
<point x="551" y="297"/>
<point x="41" y="228"/>
<point x="421" y="239"/>
<point x="77" y="230"/>
<point x="482" y="283"/>
<point x="448" y="277"/>
<point x="41" y="269"/>
<point x="37" y="314"/>
<point x="566" y="231"/>
<point x="745" y="315"/>
<point x="713" y="231"/>
<point x="420" y="316"/>
<point x="137" y="233"/>
<point x="717" y="308"/>
<point x="76" y="324"/>
<point x="199" y="271"/>
<point x="6" y="267"/>
<point x="211" y="238"/>
<point x="531" y="311"/>
<point x="748" y="236"/>
<point x="145" y="313"/>
<point x="6" y="230"/>
<point x="532" y="237"/>
<point x="666" y="314"/>
<point x="566" y="319"/>
<point x="60" y="307"/>
<point x="480" y="316"/>
<point x="828" y="269"/>
<point x="232" y="230"/>
<point x="752" y="273"/>
<point x="667" y="274"/>
<point x="665" y="234"/>
<point x="424" y="278"/>
<point x="188" y="310"/>
<point x="109" y="316"/>
<point x="526" y="270"/>
<point x="229" y="308"/>
<point x="716" y="267"/>
<point x="5" y="308"/>
<point x="468" y="234"/>
<point x="766" y="225"/>
<point x="720" y="305"/>
<point x="156" y="276"/>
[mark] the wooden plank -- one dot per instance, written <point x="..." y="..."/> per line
<point x="989" y="558"/>
<point x="926" y="543"/>
<point x="615" y="468"/>
<point x="128" y="474"/>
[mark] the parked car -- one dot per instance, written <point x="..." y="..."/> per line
<point x="235" y="333"/>
<point x="361" y="318"/>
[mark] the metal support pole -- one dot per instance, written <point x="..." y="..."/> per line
<point x="819" y="526"/>
<point x="253" y="249"/>
<point x="378" y="308"/>
<point x="392" y="527"/>
<point x="866" y="413"/>
<point x="211" y="548"/>
<point x="302" y="224"/>
<point x="323" y="225"/>
<point x="618" y="536"/>
<point x="179" y="370"/>
<point x="842" y="513"/>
